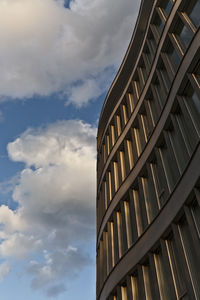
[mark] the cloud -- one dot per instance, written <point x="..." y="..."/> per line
<point x="46" y="47"/>
<point x="55" y="290"/>
<point x="1" y="117"/>
<point x="4" y="270"/>
<point x="55" y="192"/>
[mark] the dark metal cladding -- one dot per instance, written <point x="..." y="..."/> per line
<point x="148" y="174"/>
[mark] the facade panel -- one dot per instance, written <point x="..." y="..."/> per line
<point x="148" y="178"/>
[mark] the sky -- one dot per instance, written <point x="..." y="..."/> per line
<point x="57" y="61"/>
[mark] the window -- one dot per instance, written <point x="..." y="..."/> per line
<point x="110" y="226"/>
<point x="178" y="145"/>
<point x="119" y="233"/>
<point x="149" y="196"/>
<point x="124" y="292"/>
<point x="176" y="267"/>
<point x="116" y="175"/>
<point x="147" y="284"/>
<point x="166" y="5"/>
<point x="118" y="125"/>
<point x="154" y="107"/>
<point x="112" y="134"/>
<point x="169" y="165"/>
<point x="152" y="45"/>
<point x="158" y="91"/>
<point x="195" y="210"/>
<point x="173" y="56"/>
<point x="138" y="214"/>
<point x="126" y="209"/>
<point x="164" y="76"/>
<point x="192" y="259"/>
<point x="193" y="11"/>
<point x="130" y="103"/>
<point x="129" y="147"/>
<point x="160" y="182"/>
<point x="158" y="24"/>
<point x="134" y="288"/>
<point x="166" y="290"/>
<point x="183" y="33"/>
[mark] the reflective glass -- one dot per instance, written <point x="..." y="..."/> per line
<point x="176" y="57"/>
<point x="184" y="33"/>
<point x="196" y="101"/>
<point x="195" y="13"/>
<point x="159" y="23"/>
<point x="173" y="56"/>
<point x="168" y="7"/>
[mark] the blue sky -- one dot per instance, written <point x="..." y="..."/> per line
<point x="57" y="60"/>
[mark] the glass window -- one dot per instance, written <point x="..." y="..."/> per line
<point x="138" y="213"/>
<point x="154" y="108"/>
<point x="173" y="56"/>
<point x="183" y="33"/>
<point x="138" y="140"/>
<point x="122" y="165"/>
<point x="194" y="12"/>
<point x="136" y="88"/>
<point x="164" y="76"/>
<point x="192" y="102"/>
<point x="150" y="198"/>
<point x="124" y="293"/>
<point x="191" y="257"/>
<point x="176" y="267"/>
<point x="118" y="125"/>
<point x="178" y="145"/>
<point x="166" y="5"/>
<point x="124" y="114"/>
<point x="152" y="45"/>
<point x="166" y="290"/>
<point x="128" y="223"/>
<point x="134" y="288"/>
<point x="147" y="57"/>
<point x="116" y="175"/>
<point x="160" y="183"/>
<point x="111" y="245"/>
<point x="169" y="165"/>
<point x="147" y="128"/>
<point x="109" y="186"/>
<point x="159" y="23"/>
<point x="130" y="153"/>
<point x="195" y="209"/>
<point x="159" y="91"/>
<point x="147" y="283"/>
<point x="119" y="233"/>
<point x="112" y="133"/>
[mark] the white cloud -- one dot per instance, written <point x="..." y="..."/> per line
<point x="46" y="47"/>
<point x="55" y="192"/>
<point x="4" y="270"/>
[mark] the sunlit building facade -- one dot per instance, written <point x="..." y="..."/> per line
<point x="148" y="168"/>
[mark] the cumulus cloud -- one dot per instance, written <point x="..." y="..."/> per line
<point x="55" y="192"/>
<point x="47" y="48"/>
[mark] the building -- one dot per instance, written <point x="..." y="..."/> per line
<point x="148" y="187"/>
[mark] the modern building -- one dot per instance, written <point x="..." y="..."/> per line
<point x="148" y="184"/>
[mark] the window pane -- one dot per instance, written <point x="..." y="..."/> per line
<point x="183" y="32"/>
<point x="167" y="6"/>
<point x="194" y="13"/>
<point x="195" y="209"/>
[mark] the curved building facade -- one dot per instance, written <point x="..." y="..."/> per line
<point x="148" y="184"/>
